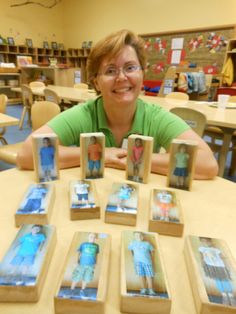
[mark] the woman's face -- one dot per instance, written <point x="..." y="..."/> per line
<point x="121" y="89"/>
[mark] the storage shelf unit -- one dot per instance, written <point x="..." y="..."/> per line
<point x="72" y="57"/>
<point x="7" y="81"/>
<point x="231" y="53"/>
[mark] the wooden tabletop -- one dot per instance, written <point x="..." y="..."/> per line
<point x="6" y="120"/>
<point x="208" y="210"/>
<point x="66" y="93"/>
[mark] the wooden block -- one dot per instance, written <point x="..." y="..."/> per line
<point x="45" y="155"/>
<point x="83" y="200"/>
<point x="181" y="164"/>
<point x="212" y="274"/>
<point x="122" y="204"/>
<point x="165" y="216"/>
<point x="36" y="205"/>
<point x="70" y="297"/>
<point x="138" y="246"/>
<point x="92" y="151"/>
<point x="24" y="267"/>
<point x="139" y="157"/>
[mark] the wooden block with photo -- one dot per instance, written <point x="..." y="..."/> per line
<point x="182" y="164"/>
<point x="36" y="205"/>
<point x="212" y="274"/>
<point x="45" y="155"/>
<point x="165" y="216"/>
<point x="84" y="202"/>
<point x="24" y="267"/>
<point x="139" y="158"/>
<point x="92" y="151"/>
<point x="144" y="286"/>
<point x="81" y="291"/>
<point x="122" y="206"/>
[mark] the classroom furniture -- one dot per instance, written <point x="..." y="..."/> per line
<point x="10" y="77"/>
<point x="195" y="119"/>
<point x="3" y="104"/>
<point x="27" y="97"/>
<point x="6" y="120"/>
<point x="41" y="112"/>
<point x="177" y="95"/>
<point x="67" y="93"/>
<point x="36" y="84"/>
<point x="81" y="85"/>
<point x="225" y="119"/>
<point x="205" y="213"/>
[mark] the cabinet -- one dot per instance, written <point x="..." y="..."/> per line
<point x="230" y="54"/>
<point x="7" y="81"/>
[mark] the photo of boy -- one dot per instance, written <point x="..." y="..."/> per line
<point x="26" y="248"/>
<point x="142" y="252"/>
<point x="137" y="158"/>
<point x="181" y="166"/>
<point x="81" y="191"/>
<point x="35" y="200"/>
<point x="94" y="157"/>
<point x="47" y="154"/>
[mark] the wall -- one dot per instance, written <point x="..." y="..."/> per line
<point x="31" y="21"/>
<point x="92" y="19"/>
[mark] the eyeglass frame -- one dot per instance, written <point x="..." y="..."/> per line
<point x="123" y="70"/>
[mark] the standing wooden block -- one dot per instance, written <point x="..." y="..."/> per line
<point x="83" y="200"/>
<point x="181" y="164"/>
<point x="45" y="155"/>
<point x="144" y="287"/>
<point x="165" y="215"/>
<point x="212" y="274"/>
<point x="92" y="150"/>
<point x="83" y="283"/>
<point x="24" y="267"/>
<point x="36" y="205"/>
<point x="122" y="204"/>
<point x="139" y="158"/>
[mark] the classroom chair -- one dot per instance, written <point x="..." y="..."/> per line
<point x="177" y="95"/>
<point x="36" y="84"/>
<point x="27" y="97"/>
<point x="41" y="113"/>
<point x="3" y="105"/>
<point x="81" y="86"/>
<point x="195" y="119"/>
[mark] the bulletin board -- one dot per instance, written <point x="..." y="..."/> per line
<point x="203" y="48"/>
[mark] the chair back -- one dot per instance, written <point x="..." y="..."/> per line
<point x="195" y="119"/>
<point x="52" y="96"/>
<point x="177" y="95"/>
<point x="36" y="84"/>
<point x="232" y="99"/>
<point x="42" y="112"/>
<point x="81" y="85"/>
<point x="3" y="103"/>
<point x="27" y="95"/>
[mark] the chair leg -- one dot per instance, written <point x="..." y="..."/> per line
<point x="22" y="117"/>
<point x="3" y="140"/>
<point x="232" y="168"/>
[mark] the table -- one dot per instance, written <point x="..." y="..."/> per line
<point x="6" y="120"/>
<point x="65" y="93"/>
<point x="225" y="119"/>
<point x="208" y="210"/>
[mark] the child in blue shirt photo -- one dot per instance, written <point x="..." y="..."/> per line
<point x="47" y="154"/>
<point x="142" y="252"/>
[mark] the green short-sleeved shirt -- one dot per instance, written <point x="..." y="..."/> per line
<point x="149" y="120"/>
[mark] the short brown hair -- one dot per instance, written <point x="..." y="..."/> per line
<point x="111" y="46"/>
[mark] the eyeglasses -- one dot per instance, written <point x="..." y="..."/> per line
<point x="127" y="70"/>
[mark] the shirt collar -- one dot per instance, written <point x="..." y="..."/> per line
<point x="137" y="126"/>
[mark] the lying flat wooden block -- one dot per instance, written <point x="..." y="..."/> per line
<point x="139" y="155"/>
<point x="24" y="267"/>
<point x="182" y="164"/>
<point x="141" y="262"/>
<point x="212" y="274"/>
<point x="36" y="205"/>
<point x="92" y="150"/>
<point x="122" y="204"/>
<point x="83" y="283"/>
<point x="83" y="200"/>
<point x="165" y="216"/>
<point x="45" y="156"/>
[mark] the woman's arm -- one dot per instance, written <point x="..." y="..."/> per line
<point x="68" y="156"/>
<point x="206" y="166"/>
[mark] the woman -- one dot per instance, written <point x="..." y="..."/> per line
<point x="116" y="68"/>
